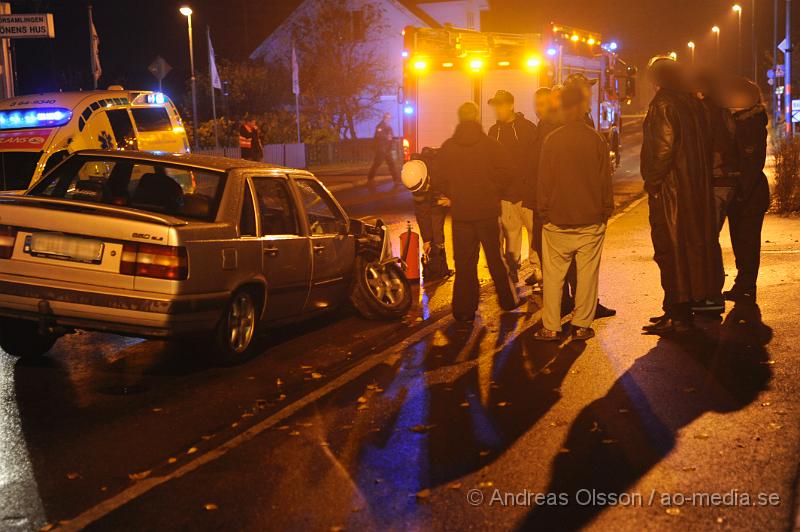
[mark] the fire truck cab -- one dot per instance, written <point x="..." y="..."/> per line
<point x="444" y="67"/>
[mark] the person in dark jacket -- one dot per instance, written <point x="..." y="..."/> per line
<point x="383" y="150"/>
<point x="676" y="164"/>
<point x="725" y="170"/>
<point x="547" y="109"/>
<point x="250" y="140"/>
<point x="746" y="212"/>
<point x="574" y="200"/>
<point x="516" y="133"/>
<point x="471" y="169"/>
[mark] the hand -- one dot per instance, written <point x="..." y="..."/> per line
<point x="426" y="248"/>
<point x="443" y="202"/>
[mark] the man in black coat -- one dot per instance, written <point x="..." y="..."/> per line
<point x="515" y="133"/>
<point x="746" y="212"/>
<point x="383" y="150"/>
<point x="472" y="170"/>
<point x="676" y="164"/>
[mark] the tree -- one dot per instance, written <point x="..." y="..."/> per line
<point x="343" y="69"/>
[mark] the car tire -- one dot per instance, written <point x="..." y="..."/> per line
<point x="380" y="292"/>
<point x="236" y="331"/>
<point x="21" y="338"/>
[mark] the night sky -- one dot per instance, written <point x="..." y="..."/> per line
<point x="133" y="32"/>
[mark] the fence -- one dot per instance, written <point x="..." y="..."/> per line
<point x="343" y="152"/>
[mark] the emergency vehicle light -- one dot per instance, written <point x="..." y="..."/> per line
<point x="156" y="97"/>
<point x="419" y="64"/>
<point x="408" y="109"/>
<point x="29" y="118"/>
<point x="476" y="65"/>
<point x="551" y="52"/>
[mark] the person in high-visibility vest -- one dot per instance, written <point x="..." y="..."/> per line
<point x="250" y="140"/>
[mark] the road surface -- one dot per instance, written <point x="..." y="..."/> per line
<point x="346" y="424"/>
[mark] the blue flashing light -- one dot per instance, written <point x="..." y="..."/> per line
<point x="552" y="52"/>
<point x="613" y="46"/>
<point x="156" y="97"/>
<point x="408" y="109"/>
<point x="33" y="118"/>
<point x="405" y="53"/>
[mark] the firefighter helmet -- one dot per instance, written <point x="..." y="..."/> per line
<point x="414" y="175"/>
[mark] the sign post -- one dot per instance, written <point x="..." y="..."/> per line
<point x="19" y="26"/>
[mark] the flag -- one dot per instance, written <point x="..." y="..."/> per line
<point x="97" y="70"/>
<point x="295" y="73"/>
<point x="212" y="66"/>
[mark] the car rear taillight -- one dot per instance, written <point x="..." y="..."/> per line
<point x="8" y="236"/>
<point x="160" y="262"/>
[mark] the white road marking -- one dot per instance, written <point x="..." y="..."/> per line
<point x="388" y="356"/>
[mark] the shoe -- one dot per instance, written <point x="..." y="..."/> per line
<point x="740" y="296"/>
<point x="603" y="312"/>
<point x="583" y="333"/>
<point x="535" y="277"/>
<point x="546" y="335"/>
<point x="668" y="326"/>
<point x="521" y="300"/>
<point x="656" y="319"/>
<point x="709" y="305"/>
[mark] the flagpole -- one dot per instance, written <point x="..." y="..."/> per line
<point x="91" y="48"/>
<point x="211" y="69"/>
<point x="296" y="90"/>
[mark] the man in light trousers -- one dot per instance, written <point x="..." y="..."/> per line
<point x="574" y="201"/>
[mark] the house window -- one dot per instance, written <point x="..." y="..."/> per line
<point x="359" y="25"/>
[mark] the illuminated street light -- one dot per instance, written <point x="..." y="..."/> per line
<point x="186" y="11"/>
<point x="691" y="46"/>
<point x="715" y="30"/>
<point x="738" y="9"/>
<point x="673" y="56"/>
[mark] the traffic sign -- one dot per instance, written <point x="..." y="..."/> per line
<point x="795" y="111"/>
<point x="779" y="72"/>
<point x="27" y="26"/>
<point x="159" y="68"/>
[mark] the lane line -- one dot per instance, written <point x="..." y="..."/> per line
<point x="388" y="356"/>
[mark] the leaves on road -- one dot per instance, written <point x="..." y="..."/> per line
<point x="140" y="476"/>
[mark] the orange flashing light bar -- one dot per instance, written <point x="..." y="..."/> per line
<point x="575" y="35"/>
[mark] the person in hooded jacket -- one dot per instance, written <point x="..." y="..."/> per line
<point x="676" y="164"/>
<point x="471" y="170"/>
<point x="516" y="133"/>
<point x="747" y="210"/>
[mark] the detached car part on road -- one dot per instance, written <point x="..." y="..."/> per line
<point x="183" y="246"/>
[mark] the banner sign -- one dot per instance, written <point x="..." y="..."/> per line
<point x="27" y="26"/>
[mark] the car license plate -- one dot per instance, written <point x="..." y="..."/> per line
<point x="58" y="246"/>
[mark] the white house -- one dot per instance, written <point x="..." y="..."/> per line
<point x="398" y="14"/>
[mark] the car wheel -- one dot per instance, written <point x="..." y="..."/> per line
<point x="236" y="330"/>
<point x="380" y="291"/>
<point x="21" y="338"/>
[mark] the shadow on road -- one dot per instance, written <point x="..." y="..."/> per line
<point x="618" y="438"/>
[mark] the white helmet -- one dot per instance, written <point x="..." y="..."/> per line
<point x="414" y="175"/>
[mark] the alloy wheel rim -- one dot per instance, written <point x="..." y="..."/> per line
<point x="385" y="284"/>
<point x="241" y="322"/>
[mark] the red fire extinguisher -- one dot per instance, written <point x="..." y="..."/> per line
<point x="409" y="252"/>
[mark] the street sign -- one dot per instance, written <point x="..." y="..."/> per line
<point x="795" y="111"/>
<point x="27" y="26"/>
<point x="159" y="68"/>
<point x="783" y="46"/>
<point x="779" y="72"/>
<point x="779" y="90"/>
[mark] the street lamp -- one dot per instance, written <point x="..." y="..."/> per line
<point x="673" y="56"/>
<point x="738" y="9"/>
<point x="715" y="30"/>
<point x="186" y="11"/>
<point x="691" y="46"/>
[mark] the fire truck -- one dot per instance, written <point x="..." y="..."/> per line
<point x="445" y="67"/>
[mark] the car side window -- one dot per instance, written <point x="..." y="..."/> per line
<point x="323" y="216"/>
<point x="275" y="207"/>
<point x="247" y="224"/>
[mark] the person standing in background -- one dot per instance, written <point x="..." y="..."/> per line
<point x="515" y="133"/>
<point x="383" y="150"/>
<point x="250" y="140"/>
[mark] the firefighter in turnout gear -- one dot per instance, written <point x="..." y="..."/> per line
<point x="430" y="209"/>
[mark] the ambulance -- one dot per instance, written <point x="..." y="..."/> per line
<point x="38" y="131"/>
<point x="445" y="67"/>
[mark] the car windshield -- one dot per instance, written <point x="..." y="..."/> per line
<point x="16" y="168"/>
<point x="180" y="191"/>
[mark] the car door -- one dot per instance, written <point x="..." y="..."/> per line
<point x="286" y="250"/>
<point x="333" y="250"/>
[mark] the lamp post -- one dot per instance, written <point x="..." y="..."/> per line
<point x="187" y="12"/>
<point x="738" y="9"/>
<point x="673" y="56"/>
<point x="715" y="30"/>
<point x="691" y="46"/>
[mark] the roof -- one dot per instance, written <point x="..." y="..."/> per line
<point x="69" y="100"/>
<point x="209" y="162"/>
<point x="418" y="12"/>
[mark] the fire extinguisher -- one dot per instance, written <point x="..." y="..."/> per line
<point x="409" y="252"/>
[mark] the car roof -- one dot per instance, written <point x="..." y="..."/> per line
<point x="69" y="99"/>
<point x="210" y="162"/>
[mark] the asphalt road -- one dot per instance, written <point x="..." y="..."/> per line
<point x="346" y="424"/>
